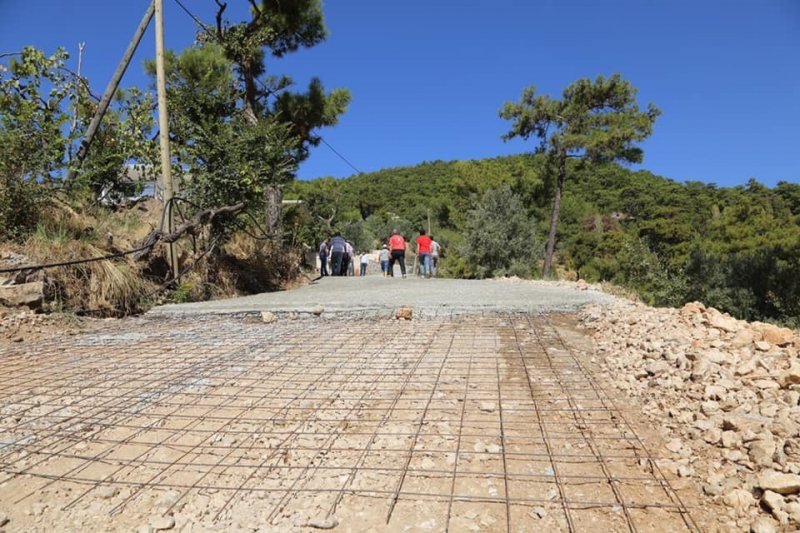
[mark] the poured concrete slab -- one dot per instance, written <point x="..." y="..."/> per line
<point x="379" y="295"/>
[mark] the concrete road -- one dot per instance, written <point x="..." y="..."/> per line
<point x="376" y="295"/>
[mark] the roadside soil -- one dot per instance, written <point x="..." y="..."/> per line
<point x="21" y="326"/>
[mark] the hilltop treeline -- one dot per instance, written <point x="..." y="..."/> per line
<point x="737" y="249"/>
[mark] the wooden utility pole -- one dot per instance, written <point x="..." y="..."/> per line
<point x="111" y="88"/>
<point x="163" y="127"/>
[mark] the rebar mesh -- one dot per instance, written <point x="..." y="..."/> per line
<point x="461" y="423"/>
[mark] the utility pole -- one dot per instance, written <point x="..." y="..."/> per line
<point x="163" y="128"/>
<point x="111" y="88"/>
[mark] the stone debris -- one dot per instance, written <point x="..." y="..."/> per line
<point x="762" y="525"/>
<point x="323" y="522"/>
<point x="268" y="317"/>
<point x="162" y="523"/>
<point x="3" y="519"/>
<point x="404" y="313"/>
<point x="487" y="407"/>
<point x="106" y="492"/>
<point x="725" y="393"/>
<point x="779" y="482"/>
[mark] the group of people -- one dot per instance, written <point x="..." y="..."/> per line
<point x="336" y="256"/>
<point x="427" y="250"/>
<point x="339" y="254"/>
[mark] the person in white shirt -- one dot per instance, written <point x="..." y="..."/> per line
<point x="364" y="263"/>
<point x="351" y="259"/>
<point x="435" y="248"/>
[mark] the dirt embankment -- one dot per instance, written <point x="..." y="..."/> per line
<point x="724" y="394"/>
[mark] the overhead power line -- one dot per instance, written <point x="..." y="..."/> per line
<point x="343" y="158"/>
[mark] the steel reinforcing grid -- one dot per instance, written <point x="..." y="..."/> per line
<point x="491" y="421"/>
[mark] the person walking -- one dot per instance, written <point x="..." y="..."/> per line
<point x="323" y="258"/>
<point x="435" y="250"/>
<point x="337" y="246"/>
<point x="364" y="263"/>
<point x="424" y="253"/>
<point x="397" y="247"/>
<point x="383" y="257"/>
<point x="350" y="259"/>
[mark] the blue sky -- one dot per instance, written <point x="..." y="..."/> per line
<point x="429" y="76"/>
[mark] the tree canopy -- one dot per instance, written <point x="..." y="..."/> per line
<point x="598" y="121"/>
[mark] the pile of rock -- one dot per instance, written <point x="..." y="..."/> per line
<point x="724" y="392"/>
<point x="21" y="288"/>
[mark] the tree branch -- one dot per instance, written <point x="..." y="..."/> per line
<point x="203" y="218"/>
<point x="222" y="6"/>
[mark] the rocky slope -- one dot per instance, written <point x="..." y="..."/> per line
<point x="724" y="393"/>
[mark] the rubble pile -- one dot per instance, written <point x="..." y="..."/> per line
<point x="725" y="394"/>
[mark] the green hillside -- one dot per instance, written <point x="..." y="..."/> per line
<point x="737" y="249"/>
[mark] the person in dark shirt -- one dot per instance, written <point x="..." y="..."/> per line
<point x="323" y="258"/>
<point x="338" y="246"/>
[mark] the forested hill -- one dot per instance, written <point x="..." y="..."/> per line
<point x="737" y="249"/>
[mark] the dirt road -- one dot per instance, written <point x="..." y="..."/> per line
<point x="472" y="421"/>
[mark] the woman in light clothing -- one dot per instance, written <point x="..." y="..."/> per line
<point x="435" y="248"/>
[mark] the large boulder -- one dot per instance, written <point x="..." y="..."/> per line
<point x="790" y="377"/>
<point x="722" y="322"/>
<point x="26" y="294"/>
<point x="774" y="334"/>
<point x="779" y="482"/>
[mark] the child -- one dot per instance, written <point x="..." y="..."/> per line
<point x="384" y="259"/>
<point x="364" y="263"/>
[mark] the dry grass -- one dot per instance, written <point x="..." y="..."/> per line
<point x="108" y="287"/>
<point x="621" y="292"/>
<point x="121" y="286"/>
<point x="248" y="266"/>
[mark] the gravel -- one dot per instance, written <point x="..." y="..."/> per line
<point x="379" y="296"/>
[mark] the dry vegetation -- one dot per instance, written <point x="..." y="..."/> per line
<point x="124" y="286"/>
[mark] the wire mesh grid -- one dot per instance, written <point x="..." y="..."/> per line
<point x="462" y="423"/>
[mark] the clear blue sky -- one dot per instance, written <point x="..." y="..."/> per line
<point x="428" y="76"/>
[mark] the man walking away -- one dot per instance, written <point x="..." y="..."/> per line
<point x="397" y="247"/>
<point x="364" y="263"/>
<point x="424" y="253"/>
<point x="337" y="245"/>
<point x="323" y="258"/>
<point x="435" y="249"/>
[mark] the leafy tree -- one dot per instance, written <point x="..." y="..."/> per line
<point x="35" y="142"/>
<point x="499" y="236"/>
<point x="125" y="135"/>
<point x="33" y="88"/>
<point x="226" y="158"/>
<point x="597" y="121"/>
<point x="282" y="123"/>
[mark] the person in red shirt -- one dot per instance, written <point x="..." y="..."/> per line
<point x="397" y="249"/>
<point x="424" y="253"/>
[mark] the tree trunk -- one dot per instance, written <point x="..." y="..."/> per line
<point x="551" y="238"/>
<point x="250" y="98"/>
<point x="274" y="201"/>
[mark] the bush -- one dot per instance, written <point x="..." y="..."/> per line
<point x="499" y="237"/>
